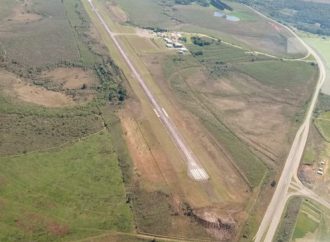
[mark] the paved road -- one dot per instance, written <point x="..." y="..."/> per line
<point x="276" y="207"/>
<point x="195" y="170"/>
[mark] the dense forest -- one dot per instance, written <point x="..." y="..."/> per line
<point x="308" y="16"/>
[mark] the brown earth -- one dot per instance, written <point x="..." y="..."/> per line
<point x="151" y="165"/>
<point x="71" y="78"/>
<point x="41" y="96"/>
<point x="22" y="14"/>
<point x="16" y="88"/>
<point x="117" y="13"/>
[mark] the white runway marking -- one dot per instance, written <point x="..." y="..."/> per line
<point x="157" y="114"/>
<point x="164" y="111"/>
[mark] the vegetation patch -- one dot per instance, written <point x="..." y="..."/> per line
<point x="311" y="16"/>
<point x="288" y="221"/>
<point x="308" y="220"/>
<point x="322" y="122"/>
<point x="278" y="73"/>
<point x="63" y="194"/>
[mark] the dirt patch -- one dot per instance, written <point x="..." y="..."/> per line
<point x="71" y="78"/>
<point x="16" y="88"/>
<point x="32" y="223"/>
<point x="225" y="104"/>
<point x="41" y="96"/>
<point x="306" y="174"/>
<point x="117" y="13"/>
<point x="22" y="13"/>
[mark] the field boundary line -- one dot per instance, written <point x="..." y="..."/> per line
<point x="71" y="142"/>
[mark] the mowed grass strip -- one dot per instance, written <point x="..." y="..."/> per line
<point x="280" y="74"/>
<point x="63" y="194"/>
<point x="322" y="123"/>
<point x="308" y="220"/>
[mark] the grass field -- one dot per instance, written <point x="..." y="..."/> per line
<point x="304" y="221"/>
<point x="59" y="32"/>
<point x="307" y="221"/>
<point x="288" y="222"/>
<point x="279" y="74"/>
<point x="62" y="167"/>
<point x="322" y="122"/>
<point x="64" y="193"/>
<point x="220" y="62"/>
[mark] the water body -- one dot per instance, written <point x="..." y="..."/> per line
<point x="231" y="18"/>
<point x="218" y="14"/>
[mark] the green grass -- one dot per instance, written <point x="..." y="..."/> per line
<point x="322" y="123"/>
<point x="63" y="194"/>
<point x="146" y="13"/>
<point x="321" y="45"/>
<point x="279" y="73"/>
<point x="307" y="221"/>
<point x="286" y="227"/>
<point x="60" y="32"/>
<point x="309" y="156"/>
<point x="6" y="6"/>
<point x="78" y="21"/>
<point x="24" y="133"/>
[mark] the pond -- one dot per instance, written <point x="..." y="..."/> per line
<point x="227" y="17"/>
<point x="232" y="18"/>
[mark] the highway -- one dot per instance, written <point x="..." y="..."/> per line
<point x="281" y="195"/>
<point x="195" y="170"/>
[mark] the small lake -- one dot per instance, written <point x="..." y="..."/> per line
<point x="218" y="14"/>
<point x="227" y="17"/>
<point x="232" y="18"/>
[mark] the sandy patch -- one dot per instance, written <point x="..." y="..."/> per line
<point x="117" y="13"/>
<point x="71" y="78"/>
<point x="22" y="14"/>
<point x="41" y="96"/>
<point x="225" y="104"/>
<point x="12" y="86"/>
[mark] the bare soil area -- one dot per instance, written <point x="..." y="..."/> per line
<point x="117" y="13"/>
<point x="41" y="96"/>
<point x="16" y="88"/>
<point x="71" y="78"/>
<point x="22" y="13"/>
